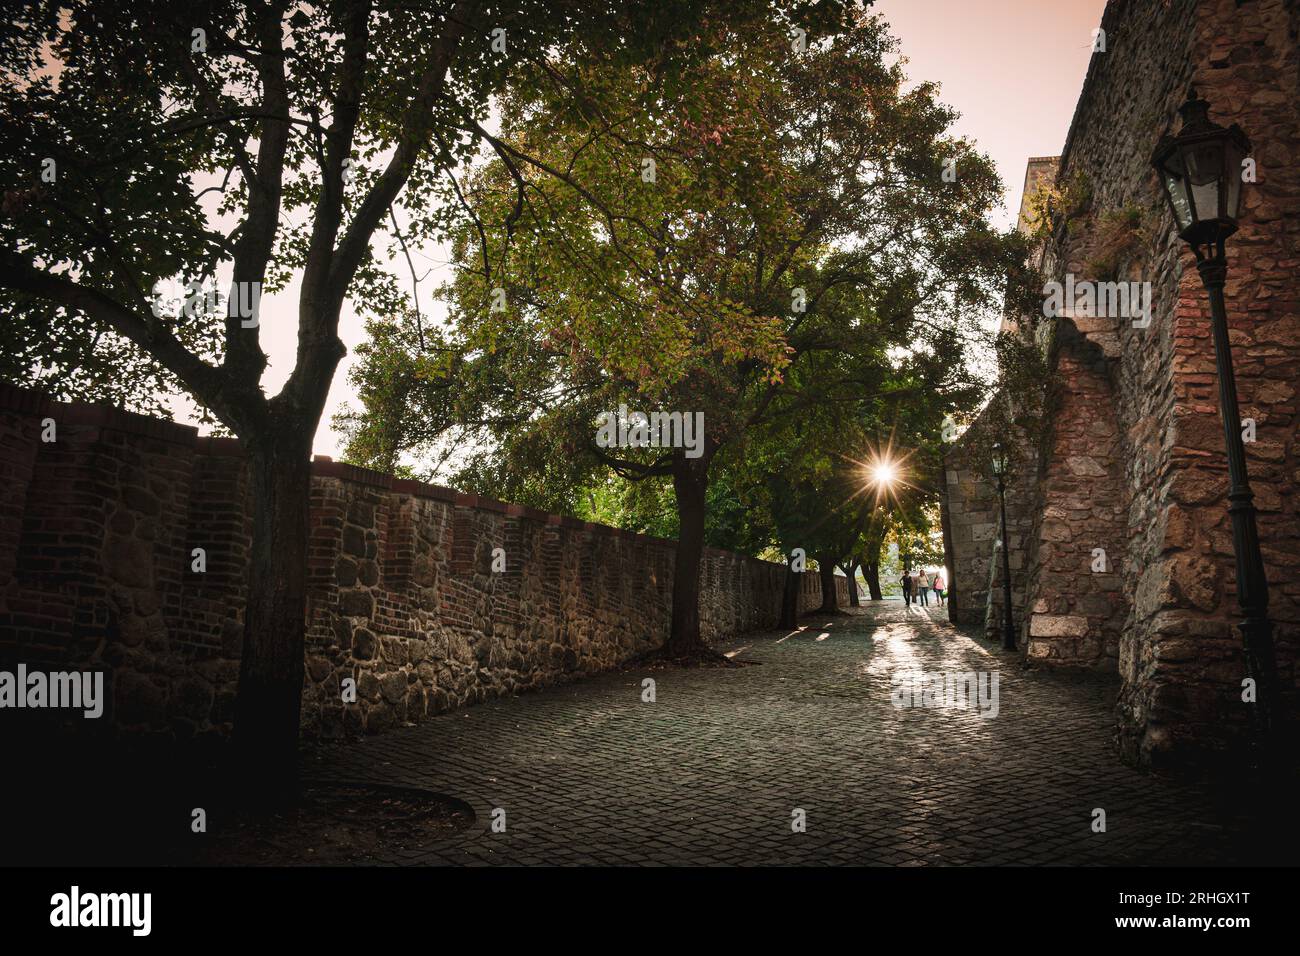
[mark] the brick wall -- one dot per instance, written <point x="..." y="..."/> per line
<point x="98" y="531"/>
<point x="1180" y="657"/>
<point x="1135" y="451"/>
<point x="1075" y="608"/>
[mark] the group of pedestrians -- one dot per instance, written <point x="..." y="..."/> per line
<point x="917" y="589"/>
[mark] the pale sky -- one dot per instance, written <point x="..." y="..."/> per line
<point x="1013" y="69"/>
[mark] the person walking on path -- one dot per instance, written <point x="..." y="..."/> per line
<point x="939" y="584"/>
<point x="923" y="585"/>
<point x="907" y="589"/>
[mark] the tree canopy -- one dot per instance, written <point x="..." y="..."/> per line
<point x="223" y="145"/>
<point x="769" y="237"/>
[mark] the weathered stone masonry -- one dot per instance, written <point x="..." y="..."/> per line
<point x="1134" y="455"/>
<point x="973" y="521"/>
<point x="1075" y="544"/>
<point x="98" y="528"/>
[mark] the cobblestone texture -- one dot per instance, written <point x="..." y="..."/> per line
<point x="711" y="772"/>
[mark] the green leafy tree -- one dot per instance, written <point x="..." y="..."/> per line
<point x="247" y="144"/>
<point x="750" y="244"/>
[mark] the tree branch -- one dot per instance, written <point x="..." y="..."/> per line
<point x="150" y="334"/>
<point x="415" y="135"/>
<point x="244" y="358"/>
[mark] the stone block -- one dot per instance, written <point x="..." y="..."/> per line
<point x="368" y="573"/>
<point x="345" y="571"/>
<point x="1085" y="466"/>
<point x="1190" y="580"/>
<point x="318" y="668"/>
<point x="356" y="602"/>
<point x="1194" y="486"/>
<point x="392" y="687"/>
<point x="129" y="561"/>
<point x="354" y="541"/>
<point x="364" y="644"/>
<point x="1046" y="625"/>
<point x="393" y="650"/>
<point x="361" y="513"/>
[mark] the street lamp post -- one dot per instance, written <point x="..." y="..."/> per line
<point x="1201" y="174"/>
<point x="1008" y="629"/>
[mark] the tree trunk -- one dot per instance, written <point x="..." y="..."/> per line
<point x="851" y="572"/>
<point x="269" y="703"/>
<point x="826" y="569"/>
<point x="871" y="571"/>
<point x="690" y="482"/>
<point x="790" y="596"/>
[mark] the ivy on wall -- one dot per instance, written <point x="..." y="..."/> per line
<point x="1118" y="235"/>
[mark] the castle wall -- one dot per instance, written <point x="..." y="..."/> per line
<point x="98" y="535"/>
<point x="973" y="517"/>
<point x="1077" y="544"/>
<point x="1135" y="451"/>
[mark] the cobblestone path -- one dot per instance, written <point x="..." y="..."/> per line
<point x="713" y="770"/>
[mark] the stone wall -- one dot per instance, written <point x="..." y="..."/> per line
<point x="1180" y="657"/>
<point x="1135" y="451"/>
<point x="1075" y="605"/>
<point x="970" y="517"/>
<point x="98" y="531"/>
<point x="972" y="521"/>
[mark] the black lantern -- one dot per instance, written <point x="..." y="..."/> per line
<point x="999" y="460"/>
<point x="1201" y="173"/>
<point x="1200" y="170"/>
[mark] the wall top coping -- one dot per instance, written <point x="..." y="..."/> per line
<point x="482" y="502"/>
<point x="22" y="400"/>
<point x="31" y="402"/>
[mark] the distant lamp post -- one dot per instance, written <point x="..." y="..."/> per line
<point x="1201" y="172"/>
<point x="999" y="462"/>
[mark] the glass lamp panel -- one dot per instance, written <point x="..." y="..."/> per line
<point x="1204" y="162"/>
<point x="1205" y="200"/>
<point x="1171" y="163"/>
<point x="1178" y="199"/>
